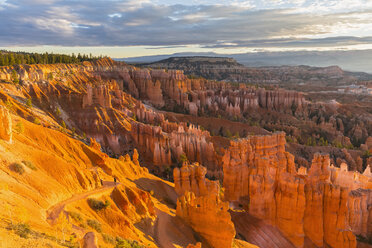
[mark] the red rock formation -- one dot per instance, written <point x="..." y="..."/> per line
<point x="209" y="217"/>
<point x="134" y="203"/>
<point x="97" y="96"/>
<point x="337" y="231"/>
<point x="5" y="125"/>
<point x="255" y="160"/>
<point x="191" y="178"/>
<point x="290" y="204"/>
<point x="326" y="204"/>
<point x="198" y="245"/>
<point x="95" y="145"/>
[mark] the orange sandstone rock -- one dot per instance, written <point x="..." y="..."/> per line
<point x="209" y="217"/>
<point x="191" y="178"/>
<point x="95" y="145"/>
<point x="5" y="124"/>
<point x="326" y="204"/>
<point x="198" y="245"/>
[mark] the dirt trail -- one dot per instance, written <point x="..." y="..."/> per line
<point x="54" y="211"/>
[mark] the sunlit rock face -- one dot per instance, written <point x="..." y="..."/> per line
<point x="5" y="124"/>
<point x="209" y="217"/>
<point x="191" y="178"/>
<point x="326" y="204"/>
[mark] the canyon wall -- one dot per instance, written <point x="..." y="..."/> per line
<point x="328" y="205"/>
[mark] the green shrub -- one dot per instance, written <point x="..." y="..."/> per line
<point x="83" y="225"/>
<point x="95" y="225"/>
<point x="29" y="102"/>
<point x="108" y="238"/>
<point x="367" y="154"/>
<point x="98" y="205"/>
<point x="75" y="216"/>
<point x="17" y="167"/>
<point x="21" y="229"/>
<point x="228" y="134"/>
<point x="50" y="76"/>
<point x="19" y="127"/>
<point x="183" y="158"/>
<point x="29" y="164"/>
<point x="63" y="124"/>
<point x="126" y="243"/>
<point x="37" y="121"/>
<point x="9" y="105"/>
<point x="15" y="79"/>
<point x="58" y="112"/>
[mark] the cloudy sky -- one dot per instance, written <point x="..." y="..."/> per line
<point x="121" y="28"/>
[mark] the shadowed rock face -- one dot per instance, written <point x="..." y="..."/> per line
<point x="5" y="125"/>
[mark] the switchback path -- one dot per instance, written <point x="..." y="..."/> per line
<point x="54" y="211"/>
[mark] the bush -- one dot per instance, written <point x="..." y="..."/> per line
<point x="15" y="79"/>
<point x="37" y="121"/>
<point x="228" y="134"/>
<point x="95" y="225"/>
<point x="29" y="102"/>
<point x="9" y="105"/>
<point x="98" y="205"/>
<point x="58" y="112"/>
<point x="367" y="154"/>
<point x="75" y="216"/>
<point x="183" y="158"/>
<point x="108" y="238"/>
<point x="29" y="164"/>
<point x="17" y="167"/>
<point x="126" y="243"/>
<point x="19" y="127"/>
<point x="50" y="76"/>
<point x="21" y="229"/>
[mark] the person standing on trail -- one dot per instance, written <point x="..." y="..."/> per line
<point x="115" y="180"/>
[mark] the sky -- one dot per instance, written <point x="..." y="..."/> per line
<point x="132" y="28"/>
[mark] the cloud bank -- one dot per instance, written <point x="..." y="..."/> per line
<point x="210" y="24"/>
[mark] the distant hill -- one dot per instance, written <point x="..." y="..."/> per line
<point x="228" y="69"/>
<point x="359" y="61"/>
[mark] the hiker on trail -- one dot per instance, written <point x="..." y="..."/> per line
<point x="115" y="180"/>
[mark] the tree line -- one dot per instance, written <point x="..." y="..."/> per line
<point x="8" y="58"/>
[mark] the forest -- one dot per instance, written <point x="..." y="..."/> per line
<point x="8" y="58"/>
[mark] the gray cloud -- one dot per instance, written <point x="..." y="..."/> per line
<point x="126" y="23"/>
